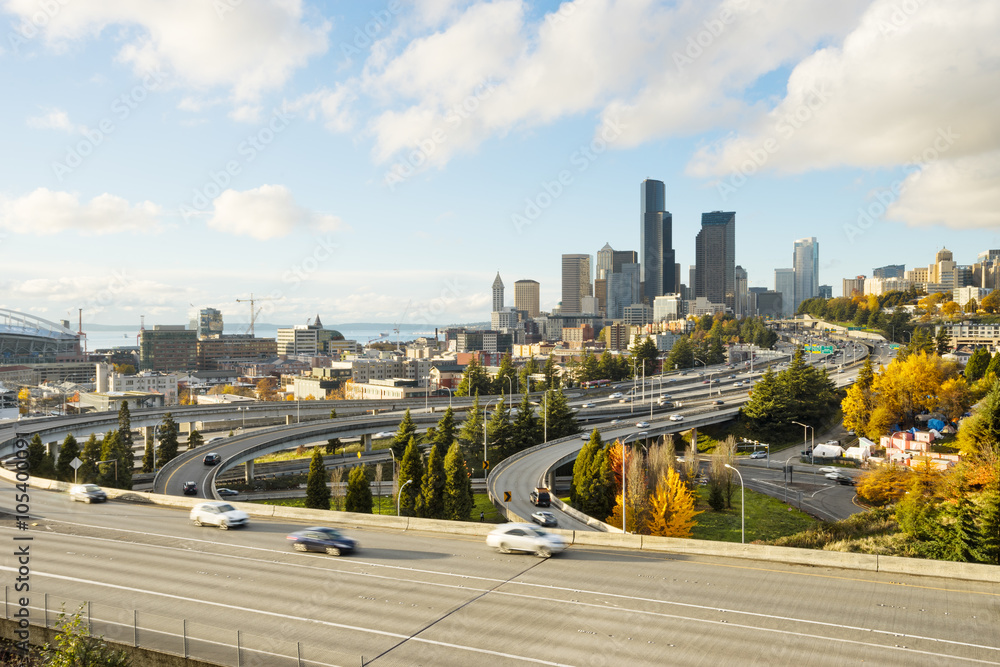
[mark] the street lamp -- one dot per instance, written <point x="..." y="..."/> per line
<point x="485" y="426"/>
<point x="115" y="461"/>
<point x="812" y="450"/>
<point x="449" y="395"/>
<point x="399" y="496"/>
<point x="743" y="526"/>
<point x="634" y="377"/>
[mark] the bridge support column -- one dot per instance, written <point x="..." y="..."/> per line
<point x="147" y="433"/>
<point x="185" y="427"/>
<point x="249" y="471"/>
<point x="289" y="420"/>
<point x="550" y="480"/>
<point x="366" y="441"/>
<point x="52" y="448"/>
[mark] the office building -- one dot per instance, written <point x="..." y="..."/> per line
<point x="854" y="286"/>
<point x="986" y="270"/>
<point x="715" y="258"/>
<point x="784" y="284"/>
<point x="638" y="314"/>
<point x="668" y="307"/>
<point x="890" y="271"/>
<point x="497" y="293"/>
<point x="234" y="350"/>
<point x="805" y="261"/>
<point x="656" y="241"/>
<point x="168" y="348"/>
<point x="526" y="297"/>
<point x="209" y="323"/>
<point x="605" y="262"/>
<point x="306" y="339"/>
<point x="825" y="291"/>
<point x="770" y="304"/>
<point x="742" y="308"/>
<point x="622" y="290"/>
<point x="575" y="282"/>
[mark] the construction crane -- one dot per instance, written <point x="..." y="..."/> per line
<point x="255" y="312"/>
<point x="403" y="318"/>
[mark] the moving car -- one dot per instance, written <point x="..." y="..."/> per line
<point x="676" y="418"/>
<point x="189" y="488"/>
<point x="212" y="459"/>
<point x="540" y="497"/>
<point x="828" y="469"/>
<point x="716" y="402"/>
<point x="616" y="421"/>
<point x="11" y="462"/>
<point x="227" y="493"/>
<point x="218" y="513"/>
<point x="617" y="394"/>
<point x="327" y="540"/>
<point x="642" y="424"/>
<point x="525" y="537"/>
<point x="665" y="397"/>
<point x="87" y="493"/>
<point x="759" y="454"/>
<point x="585" y="436"/>
<point x="544" y="518"/>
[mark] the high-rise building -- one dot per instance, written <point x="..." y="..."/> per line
<point x="656" y="240"/>
<point x="854" y="286"/>
<point x="784" y="284"/>
<point x="306" y="339"/>
<point x="526" y="297"/>
<point x="986" y="270"/>
<point x="605" y="262"/>
<point x="168" y="348"/>
<point x="209" y="323"/>
<point x="805" y="261"/>
<point x="575" y="282"/>
<point x="889" y="271"/>
<point x="622" y="257"/>
<point x="770" y="304"/>
<point x="742" y="308"/>
<point x="623" y="290"/>
<point x="826" y="291"/>
<point x="715" y="258"/>
<point x="497" y="293"/>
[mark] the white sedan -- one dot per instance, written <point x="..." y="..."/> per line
<point x="220" y="514"/>
<point x="828" y="469"/>
<point x="642" y="424"/>
<point x="676" y="418"/>
<point x="525" y="537"/>
<point x="617" y="394"/>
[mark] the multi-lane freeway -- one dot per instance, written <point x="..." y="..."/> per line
<point x="433" y="599"/>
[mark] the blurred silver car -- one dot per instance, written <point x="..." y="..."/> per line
<point x="525" y="537"/>
<point x="218" y="513"/>
<point x="87" y="493"/>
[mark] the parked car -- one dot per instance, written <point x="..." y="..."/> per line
<point x="676" y="418"/>
<point x="212" y="459"/>
<point x="189" y="488"/>
<point x="759" y="454"/>
<point x="218" y="513"/>
<point x="88" y="493"/>
<point x="227" y="493"/>
<point x="327" y="540"/>
<point x="544" y="518"/>
<point x="525" y="537"/>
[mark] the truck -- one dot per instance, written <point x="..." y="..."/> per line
<point x="540" y="497"/>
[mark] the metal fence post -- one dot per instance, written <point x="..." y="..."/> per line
<point x="6" y="609"/>
<point x="90" y="619"/>
<point x="184" y="630"/>
<point x="298" y="653"/>
<point x="135" y="627"/>
<point x="45" y="606"/>
<point x="239" y="656"/>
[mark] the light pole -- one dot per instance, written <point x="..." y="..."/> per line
<point x="743" y="527"/>
<point x="634" y="377"/>
<point x="510" y="387"/>
<point x="449" y="395"/>
<point x="399" y="496"/>
<point x="115" y="461"/>
<point x="485" y="426"/>
<point x="545" y="430"/>
<point x="812" y="450"/>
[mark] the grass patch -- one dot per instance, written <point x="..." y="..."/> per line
<point x="872" y="532"/>
<point x="386" y="506"/>
<point x="767" y="519"/>
<point x="306" y="452"/>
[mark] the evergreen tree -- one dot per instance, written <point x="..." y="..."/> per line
<point x="195" y="439"/>
<point x="562" y="420"/>
<point x="430" y="504"/>
<point x="332" y="445"/>
<point x="551" y="373"/>
<point x="125" y="428"/>
<point x="529" y="369"/>
<point x="317" y="490"/>
<point x="406" y="432"/>
<point x="525" y="430"/>
<point x="458" y="498"/>
<point x="681" y="354"/>
<point x="359" y="491"/>
<point x="110" y="473"/>
<point x="499" y="433"/>
<point x="590" y="369"/>
<point x="962" y="535"/>
<point x="411" y="468"/>
<point x="976" y="367"/>
<point x="69" y="451"/>
<point x="40" y="463"/>
<point x="167" y="432"/>
<point x="91" y="454"/>
<point x="471" y="435"/>
<point x="474" y="380"/>
<point x="994" y="366"/>
<point x="767" y="403"/>
<point x="506" y="378"/>
<point x="646" y="353"/>
<point x="333" y="413"/>
<point x="444" y="434"/>
<point x="988" y="527"/>
<point x="580" y="483"/>
<point x="147" y="455"/>
<point x="942" y="341"/>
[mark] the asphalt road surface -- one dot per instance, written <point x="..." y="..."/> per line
<point x="419" y="599"/>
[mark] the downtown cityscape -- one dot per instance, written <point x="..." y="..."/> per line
<point x="696" y="303"/>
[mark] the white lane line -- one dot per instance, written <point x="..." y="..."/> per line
<point x="564" y="589"/>
<point x="340" y="626"/>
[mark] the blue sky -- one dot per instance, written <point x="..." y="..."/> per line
<point x="381" y="161"/>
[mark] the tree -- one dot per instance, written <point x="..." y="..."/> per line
<point x="337" y="492"/>
<point x="148" y="455"/>
<point x="24" y="401"/>
<point x="406" y="432"/>
<point x="332" y="445"/>
<point x="681" y="354"/>
<point x="317" y="490"/>
<point x="474" y="380"/>
<point x="39" y="460"/>
<point x="991" y="302"/>
<point x="506" y="377"/>
<point x="910" y="386"/>
<point x="980" y="433"/>
<point x="562" y="420"/>
<point x="91" y="454"/>
<point x="125" y="427"/>
<point x="167" y="449"/>
<point x="525" y="431"/>
<point x="551" y="373"/>
<point x="117" y="473"/>
<point x="993" y="369"/>
<point x="859" y="403"/>
<point x="333" y="413"/>
<point x="767" y="403"/>
<point x="430" y="503"/>
<point x="444" y="434"/>
<point x="600" y="490"/>
<point x="646" y="353"/>
<point x="195" y="439"/>
<point x="472" y="429"/>
<point x="530" y="368"/>
<point x="976" y="367"/>
<point x="499" y="433"/>
<point x="580" y="484"/>
<point x="942" y="340"/>
<point x="69" y="451"/>
<point x="76" y="647"/>
<point x="359" y="491"/>
<point x="883" y="485"/>
<point x="671" y="508"/>
<point x="458" y="498"/>
<point x="721" y="477"/>
<point x="410" y="469"/>
<point x="266" y="389"/>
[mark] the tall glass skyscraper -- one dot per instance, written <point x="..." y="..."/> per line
<point x="715" y="258"/>
<point x="656" y="241"/>
<point x="805" y="261"/>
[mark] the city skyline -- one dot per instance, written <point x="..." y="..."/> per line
<point x="326" y="153"/>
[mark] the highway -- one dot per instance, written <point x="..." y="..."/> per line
<point x="429" y="599"/>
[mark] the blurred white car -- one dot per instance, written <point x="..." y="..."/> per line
<point x="676" y="418"/>
<point x="218" y="513"/>
<point x="525" y="537"/>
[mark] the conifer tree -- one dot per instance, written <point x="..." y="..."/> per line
<point x="69" y="451"/>
<point x="125" y="426"/>
<point x="430" y="504"/>
<point x="39" y="461"/>
<point x="562" y="421"/>
<point x="458" y="498"/>
<point x="498" y="433"/>
<point x="444" y="434"/>
<point x="317" y="490"/>
<point x="471" y="435"/>
<point x="525" y="431"/>
<point x="91" y="454"/>
<point x="359" y="491"/>
<point x="580" y="484"/>
<point x="410" y="469"/>
<point x="147" y="455"/>
<point x="406" y="432"/>
<point x="195" y="439"/>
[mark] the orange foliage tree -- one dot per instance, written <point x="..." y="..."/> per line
<point x="883" y="485"/>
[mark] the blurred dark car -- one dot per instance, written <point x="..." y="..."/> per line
<point x="212" y="459"/>
<point x="227" y="493"/>
<point x="328" y="540"/>
<point x="189" y="488"/>
<point x="88" y="493"/>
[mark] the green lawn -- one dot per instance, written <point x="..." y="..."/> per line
<point x="767" y="519"/>
<point x="387" y="506"/>
<point x="294" y="454"/>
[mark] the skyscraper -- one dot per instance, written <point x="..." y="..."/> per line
<point x="526" y="297"/>
<point x="715" y="258"/>
<point x="784" y="284"/>
<point x="605" y="261"/>
<point x="889" y="271"/>
<point x="805" y="261"/>
<point x="656" y="241"/>
<point x="623" y="290"/>
<point x="575" y="281"/>
<point x="742" y="308"/>
<point x="497" y="294"/>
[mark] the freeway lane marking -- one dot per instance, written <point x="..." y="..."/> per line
<point x="341" y="626"/>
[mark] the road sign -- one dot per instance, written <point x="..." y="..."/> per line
<point x="486" y="465"/>
<point x="827" y="349"/>
<point x="506" y="496"/>
<point x="75" y="463"/>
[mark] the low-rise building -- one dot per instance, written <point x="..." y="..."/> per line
<point x="388" y="389"/>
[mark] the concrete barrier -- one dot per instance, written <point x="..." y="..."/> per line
<point x="939" y="568"/>
<point x="614" y="540"/>
<point x="764" y="552"/>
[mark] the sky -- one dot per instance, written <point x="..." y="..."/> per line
<point x="381" y="161"/>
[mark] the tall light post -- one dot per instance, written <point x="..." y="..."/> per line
<point x="510" y="387"/>
<point x="449" y="395"/>
<point x="399" y="496"/>
<point x="634" y="378"/>
<point x="545" y="420"/>
<point x="743" y="526"/>
<point x="485" y="427"/>
<point x="812" y="450"/>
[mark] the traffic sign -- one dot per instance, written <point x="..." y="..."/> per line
<point x="75" y="463"/>
<point x="486" y="465"/>
<point x="827" y="349"/>
<point x="506" y="496"/>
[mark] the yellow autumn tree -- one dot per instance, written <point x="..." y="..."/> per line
<point x="883" y="485"/>
<point x="24" y="401"/>
<point x="918" y="383"/>
<point x="671" y="508"/>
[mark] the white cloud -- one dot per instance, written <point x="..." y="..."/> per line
<point x="960" y="193"/>
<point x="246" y="46"/>
<point x="265" y="213"/>
<point x="44" y="212"/>
<point x="53" y="119"/>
